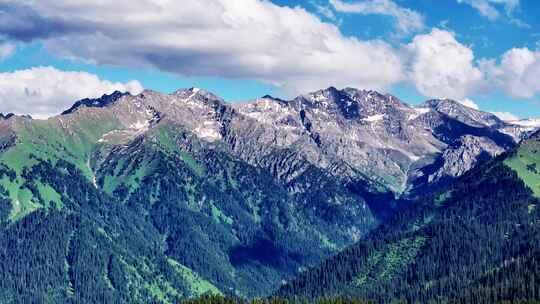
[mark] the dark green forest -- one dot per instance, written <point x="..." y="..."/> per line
<point x="476" y="241"/>
<point x="225" y="300"/>
<point x="161" y="224"/>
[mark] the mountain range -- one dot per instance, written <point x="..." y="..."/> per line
<point x="166" y="196"/>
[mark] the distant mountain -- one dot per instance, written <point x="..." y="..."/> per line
<point x="164" y="196"/>
<point x="361" y="134"/>
<point x="475" y="241"/>
<point x="527" y="124"/>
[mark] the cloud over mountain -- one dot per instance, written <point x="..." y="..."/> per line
<point x="518" y="72"/>
<point x="288" y="47"/>
<point x="44" y="91"/>
<point x="443" y="67"/>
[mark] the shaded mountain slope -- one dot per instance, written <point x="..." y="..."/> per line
<point x="475" y="241"/>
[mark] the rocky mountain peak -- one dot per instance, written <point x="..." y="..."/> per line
<point x="463" y="113"/>
<point x="198" y="95"/>
<point x="351" y="103"/>
<point x="100" y="102"/>
<point x="352" y="133"/>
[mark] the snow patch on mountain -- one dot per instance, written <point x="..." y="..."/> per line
<point x="140" y="126"/>
<point x="209" y="131"/>
<point x="267" y="111"/>
<point x="528" y="123"/>
<point x="374" y="118"/>
<point x="417" y="113"/>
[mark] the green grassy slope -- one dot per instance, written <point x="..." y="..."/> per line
<point x="73" y="141"/>
<point x="526" y="162"/>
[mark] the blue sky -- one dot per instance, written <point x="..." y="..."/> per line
<point x="480" y="51"/>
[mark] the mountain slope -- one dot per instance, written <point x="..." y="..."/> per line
<point x="475" y="241"/>
<point x="200" y="206"/>
<point x="184" y="193"/>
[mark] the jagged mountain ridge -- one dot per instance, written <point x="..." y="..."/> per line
<point x="6" y="116"/>
<point x="356" y="134"/>
<point x="352" y="133"/>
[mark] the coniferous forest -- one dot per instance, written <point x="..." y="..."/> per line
<point x="476" y="241"/>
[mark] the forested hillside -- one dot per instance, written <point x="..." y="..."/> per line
<point x="157" y="217"/>
<point x="476" y="241"/>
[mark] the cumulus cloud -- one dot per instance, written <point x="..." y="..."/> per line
<point x="506" y="116"/>
<point x="6" y="50"/>
<point x="440" y="66"/>
<point x="469" y="103"/>
<point x="407" y="20"/>
<point x="254" y="39"/>
<point x="284" y="46"/>
<point x="517" y="73"/>
<point x="45" y="91"/>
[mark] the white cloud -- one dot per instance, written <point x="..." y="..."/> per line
<point x="407" y="20"/>
<point x="440" y="66"/>
<point x="509" y="5"/>
<point x="469" y="103"/>
<point x="488" y="9"/>
<point x="506" y="116"/>
<point x="254" y="39"/>
<point x="284" y="46"/>
<point x="45" y="91"/>
<point x="6" y="50"/>
<point x="517" y="74"/>
<point x="483" y="7"/>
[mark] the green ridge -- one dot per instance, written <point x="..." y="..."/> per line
<point x="48" y="140"/>
<point x="526" y="163"/>
<point x="196" y="284"/>
<point x="383" y="265"/>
